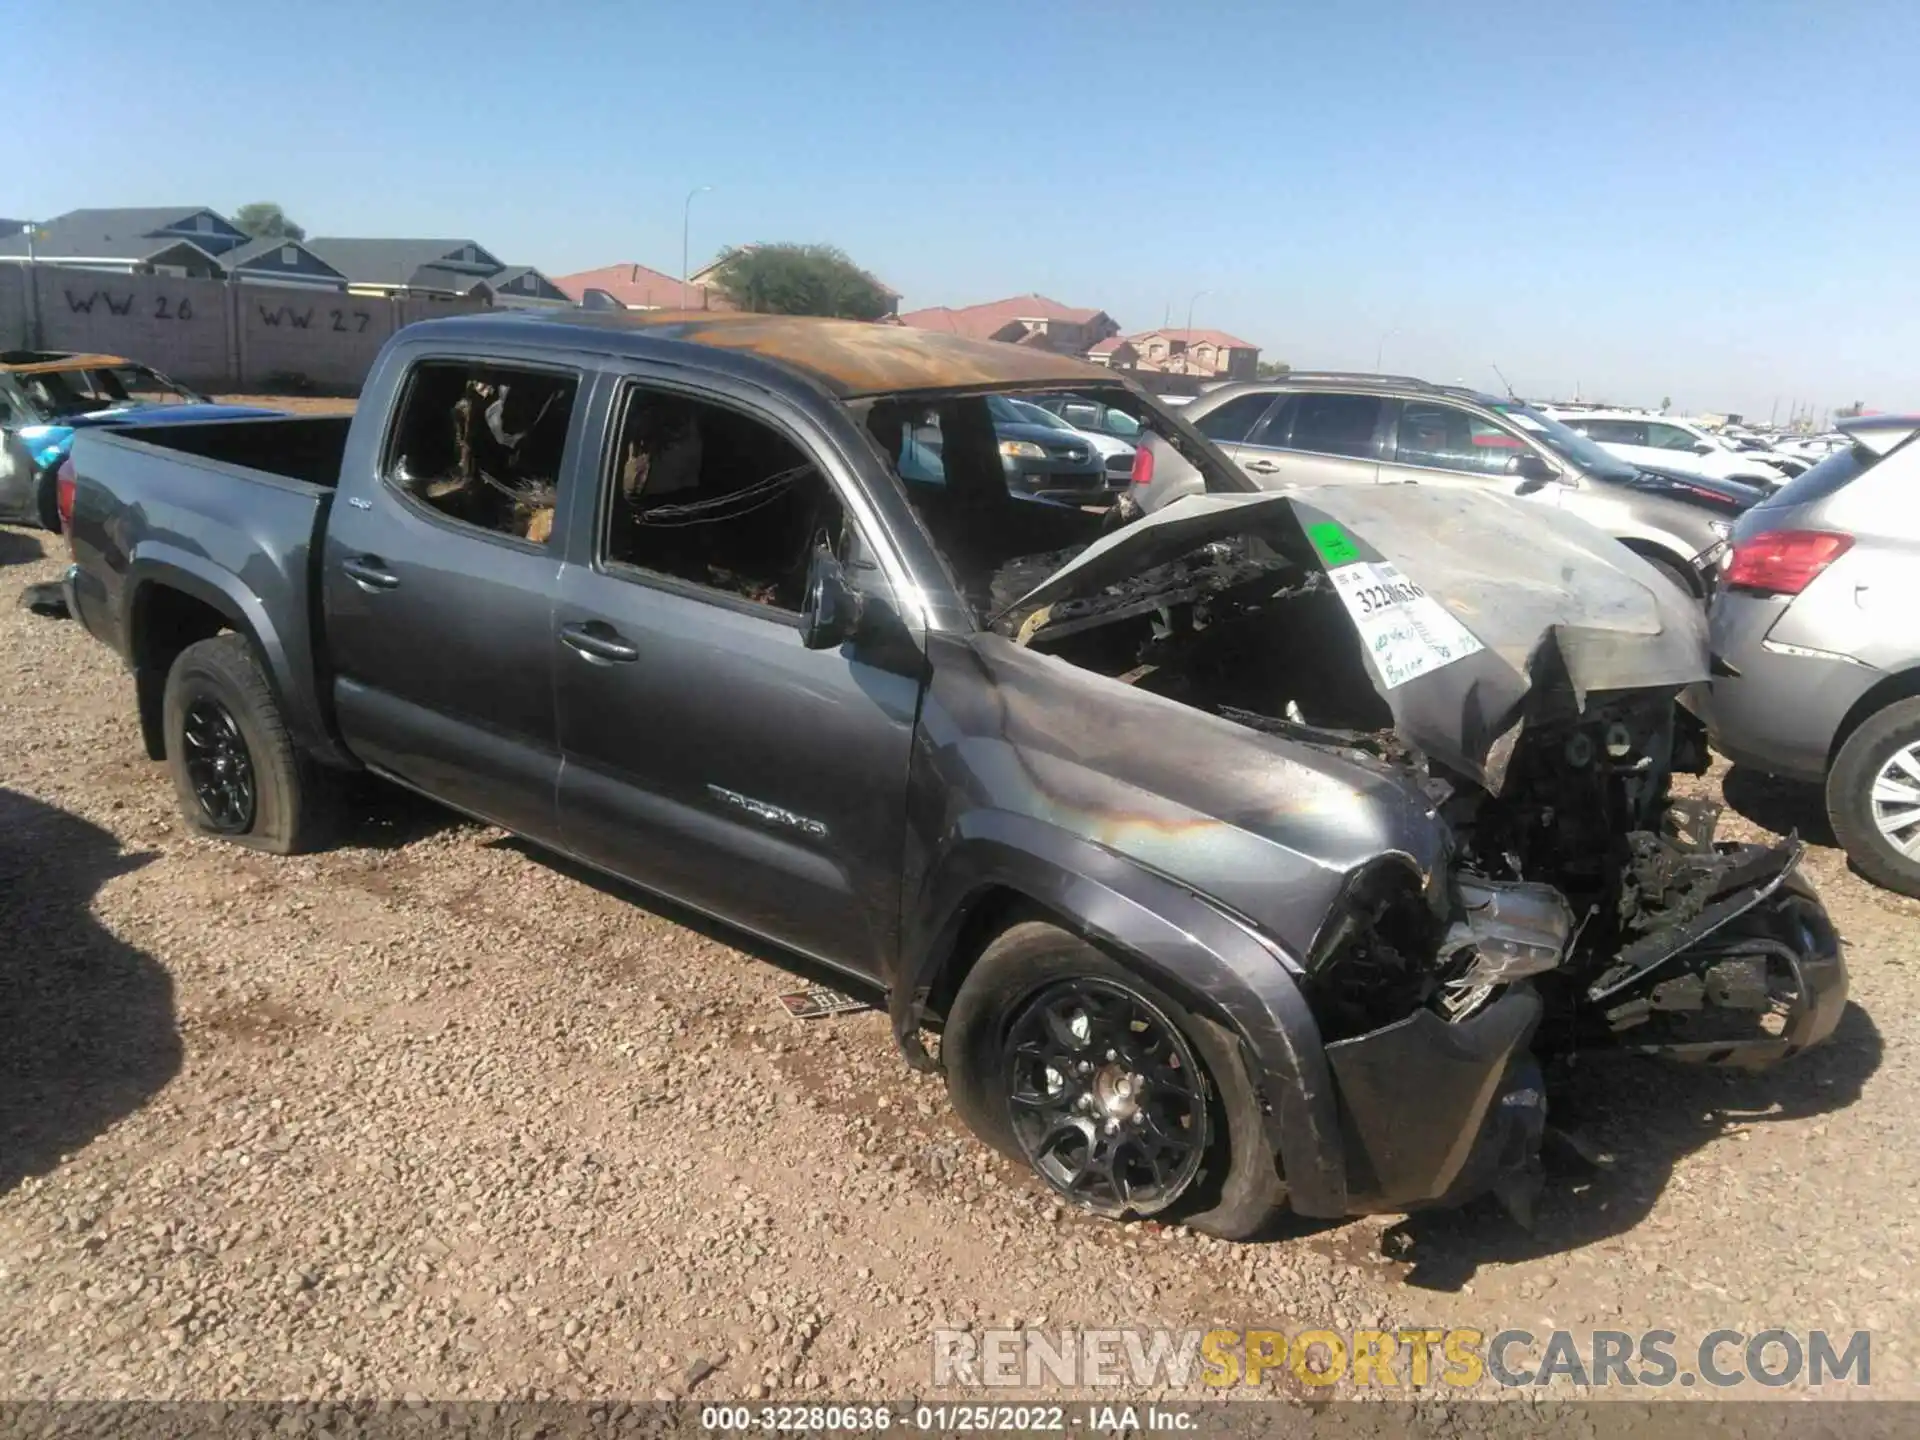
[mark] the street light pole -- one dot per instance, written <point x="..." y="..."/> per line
<point x="686" y="226"/>
<point x="1380" y="350"/>
<point x="1197" y="296"/>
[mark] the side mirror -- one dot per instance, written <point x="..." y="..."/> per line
<point x="1701" y="447"/>
<point x="833" y="608"/>
<point x="1534" y="472"/>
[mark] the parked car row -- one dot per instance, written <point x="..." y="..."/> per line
<point x="1321" y="428"/>
<point x="1672" y="443"/>
<point x="1251" y="848"/>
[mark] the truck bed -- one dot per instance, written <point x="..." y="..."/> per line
<point x="307" y="448"/>
<point x="229" y="513"/>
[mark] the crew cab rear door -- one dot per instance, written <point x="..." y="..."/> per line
<point x="709" y="754"/>
<point x="438" y="585"/>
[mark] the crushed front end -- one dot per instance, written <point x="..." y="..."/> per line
<point x="1587" y="909"/>
<point x="1583" y="907"/>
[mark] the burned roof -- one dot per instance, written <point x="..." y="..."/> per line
<point x="848" y="358"/>
<point x="42" y="362"/>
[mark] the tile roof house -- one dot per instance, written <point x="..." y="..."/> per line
<point x="169" y="240"/>
<point x="1211" y="354"/>
<point x="435" y="269"/>
<point x="1021" y="320"/>
<point x="632" y="287"/>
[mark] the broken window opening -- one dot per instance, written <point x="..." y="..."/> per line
<point x="711" y="497"/>
<point x="484" y="445"/>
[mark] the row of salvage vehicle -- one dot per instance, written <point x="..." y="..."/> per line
<point x="1247" y="847"/>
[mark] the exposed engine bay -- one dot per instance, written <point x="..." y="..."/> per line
<point x="1582" y="877"/>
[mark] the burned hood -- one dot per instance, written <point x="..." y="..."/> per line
<point x="1476" y="613"/>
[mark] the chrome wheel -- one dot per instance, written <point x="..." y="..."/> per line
<point x="1896" y="801"/>
<point x="1105" y="1097"/>
<point x="218" y="766"/>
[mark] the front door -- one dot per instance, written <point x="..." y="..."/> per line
<point x="438" y="579"/>
<point x="709" y="754"/>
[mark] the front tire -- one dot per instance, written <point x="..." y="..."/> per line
<point x="235" y="770"/>
<point x="1873" y="798"/>
<point x="1119" y="1098"/>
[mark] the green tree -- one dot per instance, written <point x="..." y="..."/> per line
<point x="799" y="280"/>
<point x="1273" y="369"/>
<point x="265" y="220"/>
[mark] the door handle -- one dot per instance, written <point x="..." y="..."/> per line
<point x="370" y="573"/>
<point x="1262" y="467"/>
<point x="598" y="643"/>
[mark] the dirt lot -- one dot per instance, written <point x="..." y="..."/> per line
<point x="433" y="1115"/>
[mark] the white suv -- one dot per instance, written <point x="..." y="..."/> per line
<point x="1662" y="442"/>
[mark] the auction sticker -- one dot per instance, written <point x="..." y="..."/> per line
<point x="1406" y="630"/>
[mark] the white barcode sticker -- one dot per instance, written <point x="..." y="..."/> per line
<point x="1406" y="631"/>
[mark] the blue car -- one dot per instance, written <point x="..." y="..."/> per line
<point x="45" y="396"/>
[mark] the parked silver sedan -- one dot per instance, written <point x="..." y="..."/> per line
<point x="1816" y="644"/>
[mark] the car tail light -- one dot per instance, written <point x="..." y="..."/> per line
<point x="64" y="485"/>
<point x="1784" y="562"/>
<point x="1142" y="465"/>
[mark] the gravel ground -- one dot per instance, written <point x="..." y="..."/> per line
<point x="433" y="1115"/>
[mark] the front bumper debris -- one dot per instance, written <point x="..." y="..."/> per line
<point x="1424" y="1105"/>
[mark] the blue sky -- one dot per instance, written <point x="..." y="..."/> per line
<point x="1707" y="200"/>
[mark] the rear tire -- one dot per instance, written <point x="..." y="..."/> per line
<point x="1231" y="1188"/>
<point x="235" y="769"/>
<point x="46" y="498"/>
<point x="1879" y="758"/>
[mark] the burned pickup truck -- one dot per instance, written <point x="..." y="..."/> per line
<point x="1248" y="854"/>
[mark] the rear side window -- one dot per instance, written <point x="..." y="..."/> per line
<point x="1337" y="425"/>
<point x="1611" y="432"/>
<point x="1671" y="437"/>
<point x="1233" y="421"/>
<point x="484" y="445"/>
<point x="1829" y="477"/>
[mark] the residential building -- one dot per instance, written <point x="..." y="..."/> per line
<point x="434" y="269"/>
<point x="1208" y="354"/>
<point x="185" y="240"/>
<point x="1021" y="320"/>
<point x="633" y="287"/>
<point x="269" y="261"/>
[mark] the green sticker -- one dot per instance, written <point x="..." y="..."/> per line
<point x="1332" y="543"/>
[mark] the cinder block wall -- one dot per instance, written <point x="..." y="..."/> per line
<point x="144" y="317"/>
<point x="207" y="333"/>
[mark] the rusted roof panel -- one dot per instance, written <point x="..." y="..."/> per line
<point x="66" y="362"/>
<point x="852" y="358"/>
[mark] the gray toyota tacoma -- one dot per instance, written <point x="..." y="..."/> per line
<point x="1245" y="855"/>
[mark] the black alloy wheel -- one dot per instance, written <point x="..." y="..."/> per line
<point x="218" y="766"/>
<point x="1106" y="1099"/>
